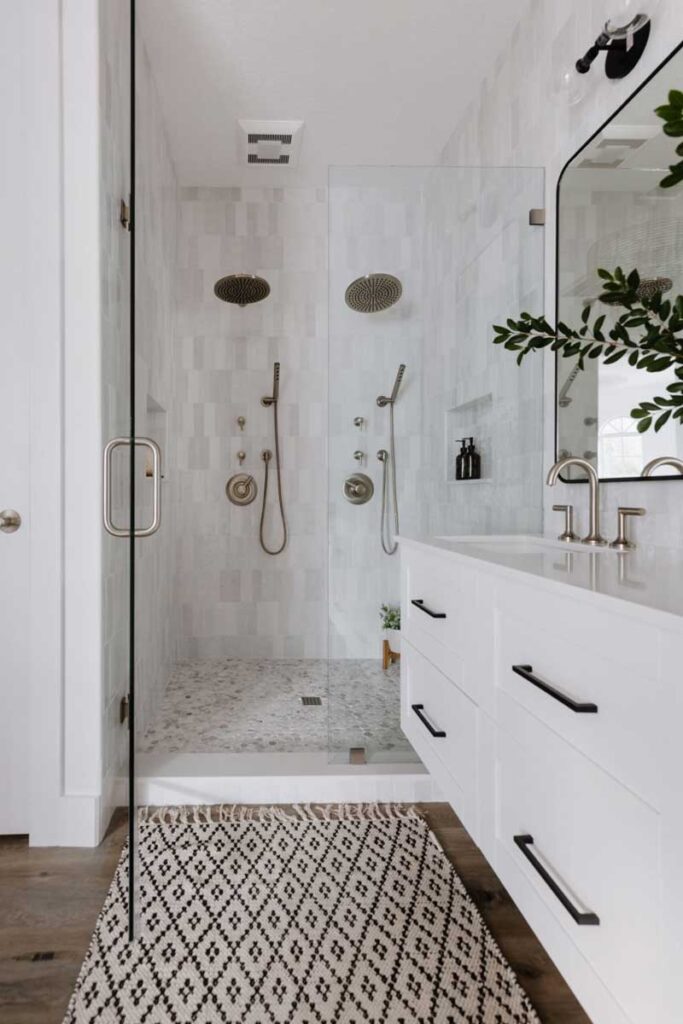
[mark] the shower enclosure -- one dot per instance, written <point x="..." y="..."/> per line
<point x="246" y="628"/>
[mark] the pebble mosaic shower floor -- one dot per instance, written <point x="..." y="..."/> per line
<point x="234" y="706"/>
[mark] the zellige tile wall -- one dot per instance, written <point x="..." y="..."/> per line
<point x="234" y="599"/>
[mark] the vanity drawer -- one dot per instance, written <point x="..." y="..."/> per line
<point x="600" y="846"/>
<point x="447" y="617"/>
<point x="441" y="723"/>
<point x="586" y="681"/>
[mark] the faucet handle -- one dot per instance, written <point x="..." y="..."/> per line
<point x="568" y="532"/>
<point x="621" y="542"/>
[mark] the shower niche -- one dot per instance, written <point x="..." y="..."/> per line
<point x="471" y="419"/>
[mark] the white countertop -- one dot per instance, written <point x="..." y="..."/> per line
<point x="649" y="577"/>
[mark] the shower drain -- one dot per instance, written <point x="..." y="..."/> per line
<point x="310" y="702"/>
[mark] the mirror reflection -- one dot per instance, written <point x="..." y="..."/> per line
<point x="620" y="275"/>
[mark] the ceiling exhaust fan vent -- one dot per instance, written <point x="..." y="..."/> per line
<point x="270" y="142"/>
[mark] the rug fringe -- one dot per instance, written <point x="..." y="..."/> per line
<point x="198" y="814"/>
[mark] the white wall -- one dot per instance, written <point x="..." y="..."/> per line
<point x="518" y="119"/>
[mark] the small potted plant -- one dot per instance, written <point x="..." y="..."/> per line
<point x="390" y="615"/>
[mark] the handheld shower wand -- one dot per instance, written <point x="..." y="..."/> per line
<point x="267" y="455"/>
<point x="269" y="400"/>
<point x="382" y="400"/>
<point x="388" y="460"/>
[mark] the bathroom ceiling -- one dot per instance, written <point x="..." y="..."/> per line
<point x="376" y="81"/>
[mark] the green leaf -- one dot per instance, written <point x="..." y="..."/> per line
<point x="644" y="425"/>
<point x="668" y="112"/>
<point x="662" y="420"/>
<point x="675" y="178"/>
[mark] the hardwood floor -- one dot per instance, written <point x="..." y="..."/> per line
<point x="49" y="902"/>
<point x="50" y="899"/>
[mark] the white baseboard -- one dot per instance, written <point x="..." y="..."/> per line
<point x="67" y="821"/>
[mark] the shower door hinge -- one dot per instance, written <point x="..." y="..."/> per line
<point x="124" y="215"/>
<point x="124" y="708"/>
<point x="537" y="218"/>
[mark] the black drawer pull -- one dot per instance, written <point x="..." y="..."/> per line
<point x="428" y="611"/>
<point x="418" y="709"/>
<point x="580" y="916"/>
<point x="581" y="708"/>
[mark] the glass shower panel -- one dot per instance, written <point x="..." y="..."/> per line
<point x="460" y="242"/>
<point x="375" y="228"/>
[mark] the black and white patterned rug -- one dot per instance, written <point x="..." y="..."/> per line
<point x="267" y="916"/>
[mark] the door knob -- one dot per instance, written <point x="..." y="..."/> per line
<point x="10" y="521"/>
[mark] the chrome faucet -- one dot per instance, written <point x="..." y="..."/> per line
<point x="593" y="535"/>
<point x="664" y="460"/>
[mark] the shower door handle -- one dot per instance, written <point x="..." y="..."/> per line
<point x="153" y="447"/>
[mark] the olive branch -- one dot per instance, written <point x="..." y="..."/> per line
<point x="649" y="333"/>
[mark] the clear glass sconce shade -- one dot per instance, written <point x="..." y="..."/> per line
<point x="569" y="85"/>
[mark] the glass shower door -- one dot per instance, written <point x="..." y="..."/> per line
<point x="118" y="422"/>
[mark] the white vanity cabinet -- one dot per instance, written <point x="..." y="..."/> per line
<point x="551" y="715"/>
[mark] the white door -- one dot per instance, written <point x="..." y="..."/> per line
<point x="14" y="457"/>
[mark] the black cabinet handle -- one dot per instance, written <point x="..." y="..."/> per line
<point x="581" y="708"/>
<point x="428" y="611"/>
<point x="418" y="709"/>
<point x="580" y="916"/>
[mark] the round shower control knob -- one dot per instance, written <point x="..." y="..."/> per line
<point x="10" y="521"/>
<point x="358" y="488"/>
<point x="241" y="489"/>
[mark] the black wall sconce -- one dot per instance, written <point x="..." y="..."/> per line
<point x="623" y="39"/>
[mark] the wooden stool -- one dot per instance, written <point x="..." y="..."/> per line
<point x="388" y="656"/>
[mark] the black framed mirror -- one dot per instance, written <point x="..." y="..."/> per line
<point x="619" y="287"/>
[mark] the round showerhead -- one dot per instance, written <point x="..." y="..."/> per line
<point x="373" y="293"/>
<point x="242" y="289"/>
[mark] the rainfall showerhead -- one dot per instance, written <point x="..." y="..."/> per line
<point x="373" y="293"/>
<point x="242" y="289"/>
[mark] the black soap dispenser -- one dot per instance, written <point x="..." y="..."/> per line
<point x="460" y="459"/>
<point x="472" y="462"/>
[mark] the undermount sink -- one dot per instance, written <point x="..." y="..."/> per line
<point x="516" y="545"/>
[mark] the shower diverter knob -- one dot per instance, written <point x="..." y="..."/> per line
<point x="358" y="488"/>
<point x="241" y="489"/>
